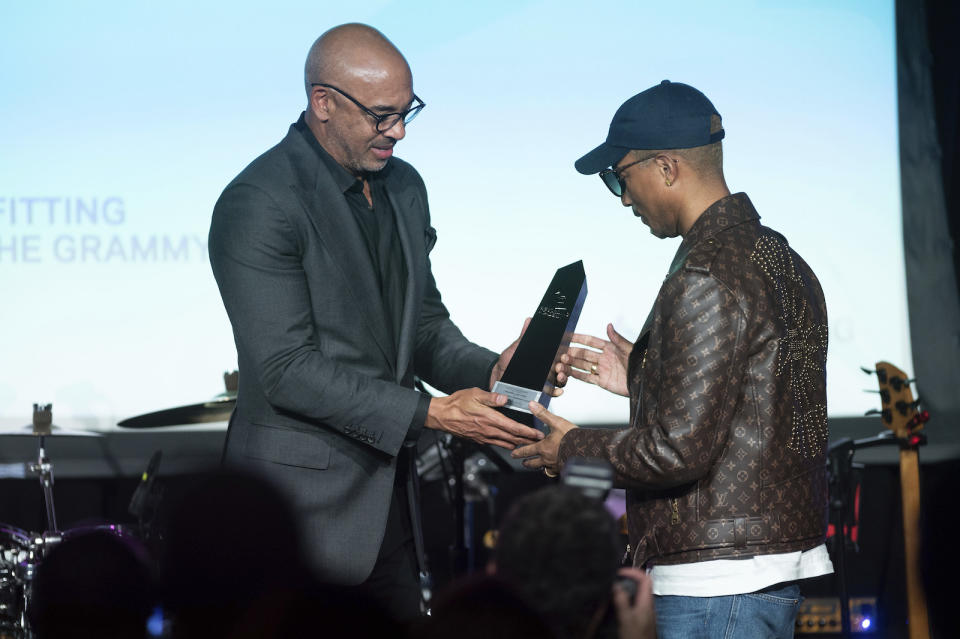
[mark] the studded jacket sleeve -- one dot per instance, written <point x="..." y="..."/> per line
<point x="684" y="388"/>
<point x="725" y="452"/>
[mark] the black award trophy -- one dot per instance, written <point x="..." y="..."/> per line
<point x="526" y="377"/>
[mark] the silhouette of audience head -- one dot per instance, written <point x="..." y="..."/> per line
<point x="230" y="543"/>
<point x="234" y="567"/>
<point x="560" y="550"/>
<point x="93" y="584"/>
<point x="481" y="607"/>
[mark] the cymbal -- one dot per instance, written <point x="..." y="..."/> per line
<point x="216" y="410"/>
<point x="55" y="431"/>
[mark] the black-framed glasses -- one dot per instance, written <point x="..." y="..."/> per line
<point x="613" y="178"/>
<point x="385" y="121"/>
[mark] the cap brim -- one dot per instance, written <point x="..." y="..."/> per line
<point x="600" y="158"/>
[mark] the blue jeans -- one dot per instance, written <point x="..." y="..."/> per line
<point x="767" y="614"/>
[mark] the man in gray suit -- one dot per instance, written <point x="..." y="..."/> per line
<point x="320" y="248"/>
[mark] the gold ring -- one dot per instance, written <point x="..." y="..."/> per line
<point x="549" y="473"/>
<point x="593" y="369"/>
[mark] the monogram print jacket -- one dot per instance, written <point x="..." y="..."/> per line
<point x="725" y="453"/>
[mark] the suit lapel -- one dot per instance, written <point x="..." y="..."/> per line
<point x="403" y="200"/>
<point x="341" y="236"/>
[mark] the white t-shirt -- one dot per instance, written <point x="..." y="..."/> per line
<point x="720" y="577"/>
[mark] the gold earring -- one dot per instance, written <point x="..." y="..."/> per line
<point x="669" y="183"/>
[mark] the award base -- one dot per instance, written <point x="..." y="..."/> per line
<point x="518" y="398"/>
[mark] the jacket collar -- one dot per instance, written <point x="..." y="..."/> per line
<point x="723" y="214"/>
<point x="726" y="212"/>
<point x="322" y="198"/>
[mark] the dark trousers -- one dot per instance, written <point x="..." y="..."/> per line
<point x="394" y="583"/>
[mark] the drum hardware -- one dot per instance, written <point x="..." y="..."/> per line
<point x="16" y="567"/>
<point x="146" y="499"/>
<point x="42" y="422"/>
<point x="21" y="552"/>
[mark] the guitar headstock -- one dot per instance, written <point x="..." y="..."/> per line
<point x="899" y="413"/>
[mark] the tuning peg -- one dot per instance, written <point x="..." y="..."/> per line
<point x="903" y="406"/>
<point x="899" y="382"/>
<point x="883" y="393"/>
<point x="885" y="414"/>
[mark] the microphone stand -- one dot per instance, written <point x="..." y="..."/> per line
<point x="463" y="551"/>
<point x="459" y="552"/>
<point x="458" y="449"/>
<point x="840" y="471"/>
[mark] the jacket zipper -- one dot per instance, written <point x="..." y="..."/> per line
<point x="630" y="555"/>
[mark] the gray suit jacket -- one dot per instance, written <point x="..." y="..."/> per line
<point x="325" y="403"/>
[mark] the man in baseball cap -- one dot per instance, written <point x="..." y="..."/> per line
<point x="724" y="455"/>
<point x="670" y="115"/>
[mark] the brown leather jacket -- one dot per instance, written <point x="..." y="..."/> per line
<point x="725" y="453"/>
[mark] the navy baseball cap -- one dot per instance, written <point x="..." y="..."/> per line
<point x="669" y="115"/>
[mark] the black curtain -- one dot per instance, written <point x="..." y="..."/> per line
<point x="928" y="82"/>
<point x="943" y="23"/>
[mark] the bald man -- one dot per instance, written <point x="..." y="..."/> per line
<point x="321" y="248"/>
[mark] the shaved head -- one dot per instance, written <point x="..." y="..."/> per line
<point x="353" y="76"/>
<point x="353" y="53"/>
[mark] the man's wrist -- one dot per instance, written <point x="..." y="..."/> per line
<point x="431" y="418"/>
<point x="419" y="418"/>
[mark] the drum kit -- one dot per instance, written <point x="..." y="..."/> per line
<point x="22" y="551"/>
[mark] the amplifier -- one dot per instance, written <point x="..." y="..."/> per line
<point x="822" y="616"/>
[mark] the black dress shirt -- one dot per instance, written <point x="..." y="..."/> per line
<point x="379" y="230"/>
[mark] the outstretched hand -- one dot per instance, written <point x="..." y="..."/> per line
<point x="472" y="413"/>
<point x="604" y="363"/>
<point x="543" y="454"/>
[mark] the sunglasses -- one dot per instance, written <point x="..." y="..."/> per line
<point x="613" y="177"/>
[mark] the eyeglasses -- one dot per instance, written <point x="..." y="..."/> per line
<point x="613" y="178"/>
<point x="385" y="121"/>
